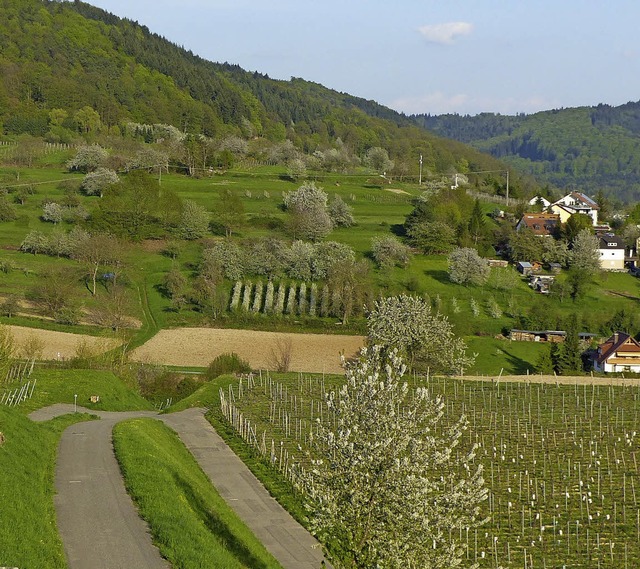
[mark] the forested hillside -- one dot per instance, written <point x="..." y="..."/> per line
<point x="588" y="148"/>
<point x="70" y="69"/>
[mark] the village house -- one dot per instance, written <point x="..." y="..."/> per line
<point x="620" y="353"/>
<point x="575" y="202"/>
<point x="542" y="224"/>
<point x="540" y="201"/>
<point x="612" y="253"/>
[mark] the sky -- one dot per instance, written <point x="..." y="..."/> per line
<point x="419" y="56"/>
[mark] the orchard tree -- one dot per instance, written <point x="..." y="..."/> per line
<point x="100" y="250"/>
<point x="225" y="257"/>
<point x="96" y="181"/>
<point x="309" y="212"/>
<point x="53" y="212"/>
<point x="467" y="267"/>
<point x="194" y="221"/>
<point x="230" y="213"/>
<point x="88" y="159"/>
<point x="427" y="340"/>
<point x="340" y="213"/>
<point x="389" y="484"/>
<point x="388" y="252"/>
<point x="584" y="255"/>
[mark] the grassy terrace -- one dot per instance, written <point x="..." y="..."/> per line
<point x="190" y="522"/>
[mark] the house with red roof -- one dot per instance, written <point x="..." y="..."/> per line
<point x="542" y="224"/>
<point x="621" y="352"/>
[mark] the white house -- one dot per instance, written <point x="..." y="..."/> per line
<point x="576" y="202"/>
<point x="612" y="252"/>
<point x="618" y="354"/>
<point x="540" y="200"/>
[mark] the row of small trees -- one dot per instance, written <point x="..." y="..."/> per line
<point x="302" y="299"/>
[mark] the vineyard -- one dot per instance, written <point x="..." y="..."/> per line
<point x="560" y="461"/>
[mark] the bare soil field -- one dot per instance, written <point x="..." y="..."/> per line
<point x="560" y="379"/>
<point x="59" y="345"/>
<point x="311" y="353"/>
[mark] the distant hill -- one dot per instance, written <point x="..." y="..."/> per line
<point x="585" y="148"/>
<point x="57" y="58"/>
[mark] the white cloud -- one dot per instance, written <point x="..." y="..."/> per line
<point x="445" y="33"/>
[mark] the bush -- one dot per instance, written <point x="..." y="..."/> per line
<point x="227" y="363"/>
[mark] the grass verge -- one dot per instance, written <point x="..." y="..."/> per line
<point x="192" y="525"/>
<point x="279" y="487"/>
<point x="61" y="385"/>
<point x="28" y="533"/>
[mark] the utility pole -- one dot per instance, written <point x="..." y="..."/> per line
<point x="507" y="188"/>
<point x="420" y="180"/>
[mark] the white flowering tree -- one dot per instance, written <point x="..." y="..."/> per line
<point x="309" y="213"/>
<point x="467" y="267"/>
<point x="96" y="181"/>
<point x="584" y="255"/>
<point x="388" y="482"/>
<point x="194" y="221"/>
<point x="425" y="338"/>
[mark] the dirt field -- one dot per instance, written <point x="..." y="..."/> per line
<point x="560" y="379"/>
<point x="313" y="353"/>
<point x="58" y="345"/>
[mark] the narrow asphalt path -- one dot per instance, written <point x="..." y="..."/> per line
<point x="291" y="544"/>
<point x="99" y="524"/>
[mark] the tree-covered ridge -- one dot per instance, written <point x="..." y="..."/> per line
<point x="591" y="148"/>
<point x="71" y="69"/>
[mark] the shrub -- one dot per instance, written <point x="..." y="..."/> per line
<point x="227" y="363"/>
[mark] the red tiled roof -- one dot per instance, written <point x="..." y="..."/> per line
<point x="618" y="343"/>
<point x="541" y="223"/>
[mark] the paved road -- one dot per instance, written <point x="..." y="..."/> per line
<point x="285" y="538"/>
<point x="98" y="523"/>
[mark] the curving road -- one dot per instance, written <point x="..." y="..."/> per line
<point x="99" y="524"/>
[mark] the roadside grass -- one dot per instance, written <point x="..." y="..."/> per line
<point x="278" y="486"/>
<point x="60" y="386"/>
<point x="28" y="533"/>
<point x="191" y="524"/>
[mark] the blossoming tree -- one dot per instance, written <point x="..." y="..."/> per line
<point x="388" y="486"/>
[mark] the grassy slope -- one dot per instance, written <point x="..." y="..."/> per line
<point x="190" y="522"/>
<point x="376" y="211"/>
<point x="28" y="534"/>
<point x="60" y="386"/>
